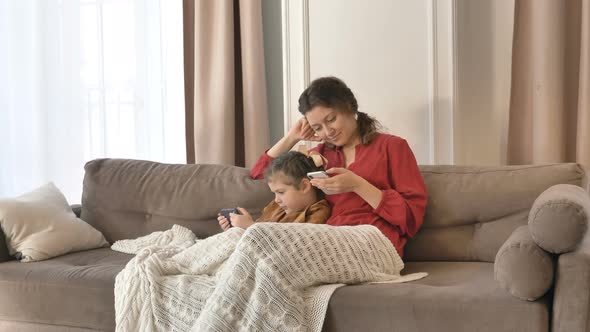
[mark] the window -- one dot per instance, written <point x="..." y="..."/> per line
<point x="87" y="79"/>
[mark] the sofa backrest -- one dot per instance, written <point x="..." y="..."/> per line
<point x="471" y="211"/>
<point x="125" y="199"/>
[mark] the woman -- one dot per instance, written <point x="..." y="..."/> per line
<point x="375" y="175"/>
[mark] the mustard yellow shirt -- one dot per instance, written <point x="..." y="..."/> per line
<point x="317" y="213"/>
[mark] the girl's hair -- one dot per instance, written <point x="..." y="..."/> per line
<point x="292" y="167"/>
<point x="332" y="92"/>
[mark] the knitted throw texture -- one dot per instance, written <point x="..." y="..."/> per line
<point x="271" y="277"/>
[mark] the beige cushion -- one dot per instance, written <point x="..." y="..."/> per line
<point x="40" y="224"/>
<point x="559" y="218"/>
<point x="522" y="267"/>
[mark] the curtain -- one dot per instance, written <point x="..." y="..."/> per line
<point x="549" y="117"/>
<point x="225" y="87"/>
<point x="83" y="79"/>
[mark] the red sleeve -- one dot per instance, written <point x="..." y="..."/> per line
<point x="403" y="206"/>
<point x="260" y="167"/>
<point x="264" y="161"/>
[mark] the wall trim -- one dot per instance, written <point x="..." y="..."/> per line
<point x="296" y="59"/>
<point x="444" y="88"/>
<point x="431" y="13"/>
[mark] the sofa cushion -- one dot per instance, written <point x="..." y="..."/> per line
<point x="456" y="296"/>
<point x="8" y="325"/>
<point x="125" y="199"/>
<point x="523" y="268"/>
<point x="558" y="219"/>
<point x="72" y="290"/>
<point x="471" y="211"/>
<point x="41" y="224"/>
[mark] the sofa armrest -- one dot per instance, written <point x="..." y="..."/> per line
<point x="77" y="208"/>
<point x="571" y="301"/>
<point x="4" y="256"/>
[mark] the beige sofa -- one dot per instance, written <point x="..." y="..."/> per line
<point x="472" y="211"/>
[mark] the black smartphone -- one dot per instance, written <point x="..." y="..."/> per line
<point x="226" y="212"/>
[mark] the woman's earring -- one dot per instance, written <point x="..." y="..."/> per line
<point x="356" y="116"/>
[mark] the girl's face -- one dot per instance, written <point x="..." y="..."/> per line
<point x="289" y="197"/>
<point x="332" y="126"/>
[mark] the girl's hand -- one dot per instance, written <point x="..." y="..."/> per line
<point x="223" y="222"/>
<point x="243" y="220"/>
<point x="302" y="131"/>
<point x="344" y="181"/>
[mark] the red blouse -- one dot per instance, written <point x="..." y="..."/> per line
<point x="387" y="163"/>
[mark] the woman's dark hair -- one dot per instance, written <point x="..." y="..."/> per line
<point x="332" y="92"/>
<point x="293" y="167"/>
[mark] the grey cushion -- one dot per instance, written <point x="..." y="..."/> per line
<point x="522" y="267"/>
<point x="559" y="218"/>
<point x="456" y="296"/>
<point x="471" y="211"/>
<point x="72" y="290"/>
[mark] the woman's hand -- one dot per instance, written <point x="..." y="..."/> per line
<point x="243" y="220"/>
<point x="347" y="181"/>
<point x="302" y="131"/>
<point x="344" y="181"/>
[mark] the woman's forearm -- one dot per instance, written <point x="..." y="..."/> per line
<point x="369" y="193"/>
<point x="283" y="145"/>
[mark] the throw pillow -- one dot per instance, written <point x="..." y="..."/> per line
<point x="40" y="224"/>
<point x="559" y="218"/>
<point x="522" y="267"/>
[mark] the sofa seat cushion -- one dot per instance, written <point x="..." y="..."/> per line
<point x="456" y="296"/>
<point x="72" y="290"/>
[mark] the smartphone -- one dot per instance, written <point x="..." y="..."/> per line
<point x="226" y="212"/>
<point x="320" y="175"/>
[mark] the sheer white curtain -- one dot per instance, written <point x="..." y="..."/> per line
<point x="85" y="79"/>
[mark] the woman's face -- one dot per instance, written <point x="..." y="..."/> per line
<point x="333" y="126"/>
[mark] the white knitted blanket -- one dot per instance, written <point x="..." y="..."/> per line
<point x="272" y="277"/>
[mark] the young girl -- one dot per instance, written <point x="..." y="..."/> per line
<point x="296" y="200"/>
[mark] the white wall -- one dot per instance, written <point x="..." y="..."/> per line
<point x="436" y="72"/>
<point x="386" y="53"/>
<point x="382" y="52"/>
